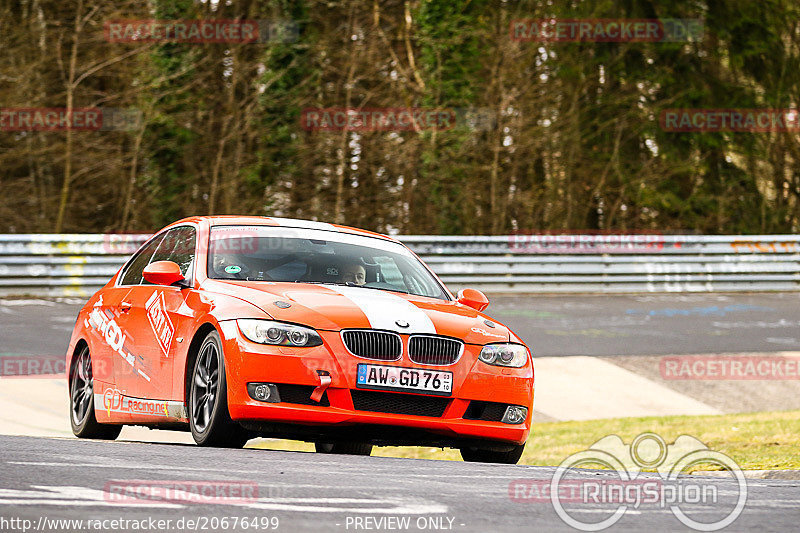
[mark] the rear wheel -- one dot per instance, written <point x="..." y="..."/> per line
<point x="344" y="448"/>
<point x="81" y="392"/>
<point x="481" y="455"/>
<point x="209" y="420"/>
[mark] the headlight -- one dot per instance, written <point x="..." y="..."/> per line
<point x="278" y="333"/>
<point x="513" y="355"/>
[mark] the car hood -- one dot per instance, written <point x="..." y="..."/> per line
<point x="333" y="307"/>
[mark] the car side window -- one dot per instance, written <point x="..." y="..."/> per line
<point x="133" y="273"/>
<point x="177" y="246"/>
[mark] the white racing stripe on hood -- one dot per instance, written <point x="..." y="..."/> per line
<point x="384" y="308"/>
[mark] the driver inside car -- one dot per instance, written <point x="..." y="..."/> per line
<point x="354" y="273"/>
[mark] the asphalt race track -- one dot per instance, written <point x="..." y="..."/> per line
<point x="551" y="325"/>
<point x="657" y="324"/>
<point x="64" y="479"/>
<point x="44" y="478"/>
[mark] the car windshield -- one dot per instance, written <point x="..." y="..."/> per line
<point x="299" y="255"/>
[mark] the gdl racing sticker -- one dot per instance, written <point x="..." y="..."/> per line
<point x="112" y="334"/>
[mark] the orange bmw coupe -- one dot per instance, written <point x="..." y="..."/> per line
<point x="239" y="327"/>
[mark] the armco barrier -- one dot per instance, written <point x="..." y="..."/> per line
<point x="77" y="265"/>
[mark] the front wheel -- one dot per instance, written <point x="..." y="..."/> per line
<point x="481" y="455"/>
<point x="81" y="392"/>
<point x="344" y="448"/>
<point x="209" y="420"/>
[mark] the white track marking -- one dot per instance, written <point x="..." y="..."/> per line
<point x="71" y="496"/>
<point x="144" y="466"/>
<point x="85" y="497"/>
<point x="45" y="303"/>
<point x="387" y="506"/>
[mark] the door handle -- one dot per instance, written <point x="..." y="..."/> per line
<point x="125" y="306"/>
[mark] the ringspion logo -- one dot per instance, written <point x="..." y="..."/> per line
<point x="698" y="503"/>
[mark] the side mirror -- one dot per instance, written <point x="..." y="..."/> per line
<point x="163" y="273"/>
<point x="473" y="298"/>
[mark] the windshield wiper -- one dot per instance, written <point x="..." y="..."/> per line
<point x="351" y="284"/>
<point x="382" y="289"/>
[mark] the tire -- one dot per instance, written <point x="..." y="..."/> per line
<point x="480" y="455"/>
<point x="209" y="419"/>
<point x="344" y="448"/>
<point x="81" y="402"/>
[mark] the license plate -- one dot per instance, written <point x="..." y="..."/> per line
<point x="398" y="378"/>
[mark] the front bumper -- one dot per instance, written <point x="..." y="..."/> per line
<point x="474" y="383"/>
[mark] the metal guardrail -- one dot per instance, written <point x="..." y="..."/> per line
<point x="78" y="265"/>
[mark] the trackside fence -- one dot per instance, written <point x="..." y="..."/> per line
<point x="78" y="265"/>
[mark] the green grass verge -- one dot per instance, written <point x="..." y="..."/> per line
<point x="756" y="441"/>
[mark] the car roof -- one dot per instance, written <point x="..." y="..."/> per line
<point x="241" y="220"/>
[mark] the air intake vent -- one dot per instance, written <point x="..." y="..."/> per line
<point x="371" y="344"/>
<point x="488" y="411"/>
<point x="300" y="394"/>
<point x="430" y="350"/>
<point x="401" y="404"/>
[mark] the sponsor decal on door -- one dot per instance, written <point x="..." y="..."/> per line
<point x="160" y="321"/>
<point x="112" y="334"/>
